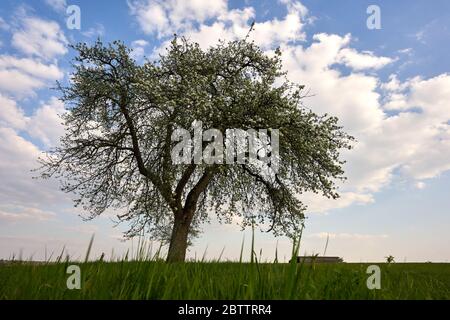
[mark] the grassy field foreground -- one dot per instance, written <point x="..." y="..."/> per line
<point x="223" y="280"/>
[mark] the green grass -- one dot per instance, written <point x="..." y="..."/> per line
<point x="223" y="280"/>
<point x="147" y="276"/>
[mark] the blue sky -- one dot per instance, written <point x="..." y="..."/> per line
<point x="390" y="88"/>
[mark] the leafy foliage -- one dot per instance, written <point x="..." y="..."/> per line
<point x="116" y="151"/>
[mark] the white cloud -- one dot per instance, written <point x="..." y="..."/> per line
<point x="40" y="38"/>
<point x="17" y="158"/>
<point x="420" y="35"/>
<point x="420" y="132"/>
<point x="138" y="48"/>
<point x="394" y="97"/>
<point x="416" y="141"/>
<point x="11" y="115"/>
<point x="235" y="24"/>
<point x="273" y="32"/>
<point x="45" y="124"/>
<point x="353" y="98"/>
<point x="190" y="18"/>
<point x="23" y="76"/>
<point x="97" y="31"/>
<point x="393" y="84"/>
<point x="151" y="17"/>
<point x="57" y="5"/>
<point x="23" y="198"/>
<point x="407" y="51"/>
<point x="318" y="204"/>
<point x="347" y="236"/>
<point x="396" y="101"/>
<point x="433" y="95"/>
<point x="166" y="17"/>
<point x="21" y="213"/>
<point x="140" y="43"/>
<point x="4" y="25"/>
<point x="363" y="60"/>
<point x="19" y="83"/>
<point x="420" y="185"/>
<point x="31" y="67"/>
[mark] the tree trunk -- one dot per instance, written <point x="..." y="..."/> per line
<point x="179" y="238"/>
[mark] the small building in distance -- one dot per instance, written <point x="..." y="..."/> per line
<point x="319" y="259"/>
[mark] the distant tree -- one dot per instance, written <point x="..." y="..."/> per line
<point x="116" y="150"/>
<point x="390" y="259"/>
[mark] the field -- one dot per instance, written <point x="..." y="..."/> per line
<point x="223" y="280"/>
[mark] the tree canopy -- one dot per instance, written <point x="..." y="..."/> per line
<point x="121" y="115"/>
